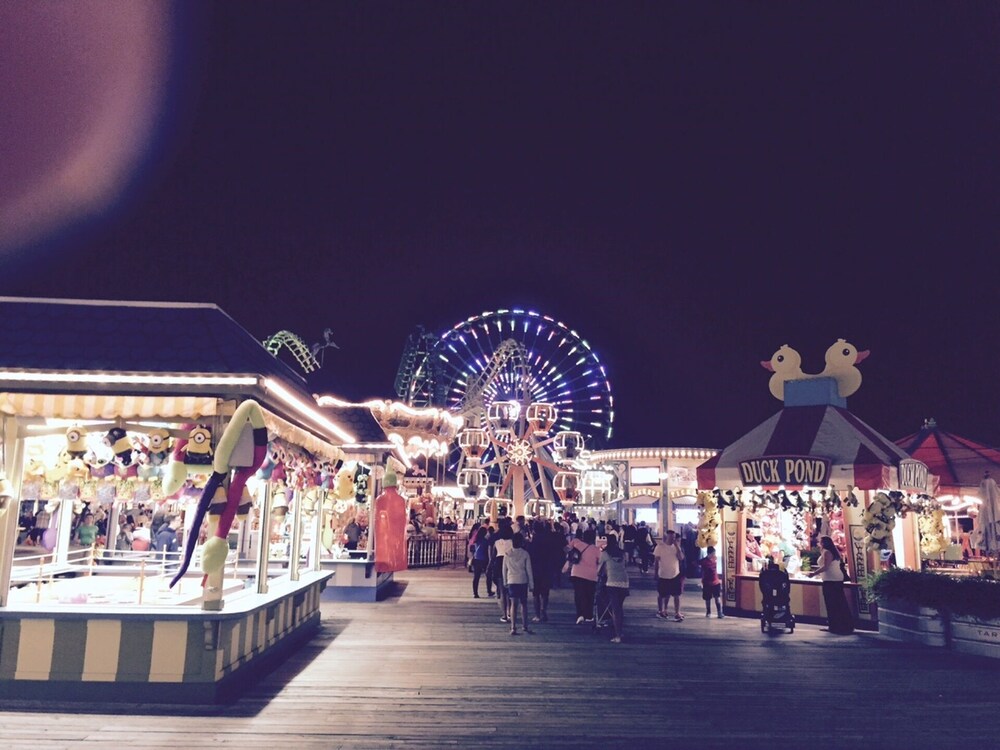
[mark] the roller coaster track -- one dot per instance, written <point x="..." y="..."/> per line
<point x="508" y="351"/>
<point x="299" y="349"/>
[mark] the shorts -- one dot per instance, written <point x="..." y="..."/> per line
<point x="517" y="590"/>
<point x="669" y="586"/>
<point x="711" y="591"/>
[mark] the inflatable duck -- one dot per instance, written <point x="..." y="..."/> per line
<point x="841" y="359"/>
<point x="786" y="364"/>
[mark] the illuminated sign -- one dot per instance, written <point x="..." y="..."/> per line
<point x="730" y="539"/>
<point x="912" y="475"/>
<point x="793" y="470"/>
<point x="644" y="475"/>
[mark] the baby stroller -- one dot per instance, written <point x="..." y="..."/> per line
<point x="777" y="608"/>
<point x="602" y="607"/>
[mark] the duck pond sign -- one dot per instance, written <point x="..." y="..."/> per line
<point x="788" y="470"/>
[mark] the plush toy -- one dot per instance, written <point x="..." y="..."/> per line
<point x="345" y="483"/>
<point x="158" y="446"/>
<point x="248" y="416"/>
<point x="198" y="451"/>
<point x="76" y="442"/>
<point x="879" y="519"/>
<point x="361" y="488"/>
<point x="708" y="523"/>
<point x="117" y="440"/>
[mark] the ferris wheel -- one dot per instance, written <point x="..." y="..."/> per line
<point x="510" y="362"/>
<point x="475" y="364"/>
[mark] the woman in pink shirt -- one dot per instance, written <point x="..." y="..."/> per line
<point x="583" y="574"/>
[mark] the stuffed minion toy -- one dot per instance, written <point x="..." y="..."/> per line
<point x="159" y="446"/>
<point x="76" y="442"/>
<point x="199" y="447"/>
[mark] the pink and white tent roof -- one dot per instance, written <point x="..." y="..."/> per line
<point x="858" y="454"/>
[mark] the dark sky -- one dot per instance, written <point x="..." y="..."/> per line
<point x="688" y="186"/>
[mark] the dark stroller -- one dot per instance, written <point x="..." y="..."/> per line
<point x="602" y="607"/>
<point x="777" y="607"/>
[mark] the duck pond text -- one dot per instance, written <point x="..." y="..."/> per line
<point x="791" y="470"/>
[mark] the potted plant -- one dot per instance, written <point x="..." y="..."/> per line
<point x="912" y="606"/>
<point x="938" y="610"/>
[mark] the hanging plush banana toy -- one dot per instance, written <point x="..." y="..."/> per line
<point x="248" y="415"/>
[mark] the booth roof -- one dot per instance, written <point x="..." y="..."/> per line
<point x="359" y="421"/>
<point x="958" y="462"/>
<point x="133" y="337"/>
<point x="858" y="454"/>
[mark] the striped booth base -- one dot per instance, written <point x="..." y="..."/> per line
<point x="175" y="655"/>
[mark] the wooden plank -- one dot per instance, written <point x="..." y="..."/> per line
<point x="433" y="668"/>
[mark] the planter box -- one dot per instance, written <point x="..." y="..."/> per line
<point x="978" y="637"/>
<point x="905" y="622"/>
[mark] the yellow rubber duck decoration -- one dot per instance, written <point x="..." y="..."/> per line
<point x="841" y="359"/>
<point x="786" y="364"/>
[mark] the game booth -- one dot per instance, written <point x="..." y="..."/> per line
<point x="950" y="536"/>
<point x="175" y="421"/>
<point x="813" y="469"/>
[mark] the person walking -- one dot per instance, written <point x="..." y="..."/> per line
<point x="628" y="535"/>
<point x="667" y="561"/>
<point x="518" y="579"/>
<point x="540" y="551"/>
<point x="613" y="572"/>
<point x="584" y="558"/>
<point x="643" y="544"/>
<point x="479" y="551"/>
<point x="501" y="546"/>
<point x="711" y="585"/>
<point x="833" y="572"/>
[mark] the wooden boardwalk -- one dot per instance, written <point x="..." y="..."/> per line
<point x="433" y="668"/>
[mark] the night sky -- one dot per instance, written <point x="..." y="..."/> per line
<point x="688" y="186"/>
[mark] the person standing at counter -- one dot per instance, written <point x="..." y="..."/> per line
<point x="86" y="532"/>
<point x="832" y="570"/>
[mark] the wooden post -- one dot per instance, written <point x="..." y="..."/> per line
<point x="296" y="551"/>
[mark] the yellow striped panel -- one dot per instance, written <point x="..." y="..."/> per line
<point x="100" y="657"/>
<point x="166" y="663"/>
<point x="234" y="644"/>
<point x="34" y="649"/>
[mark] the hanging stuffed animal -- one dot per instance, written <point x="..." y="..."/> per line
<point x="198" y="451"/>
<point x="159" y="446"/>
<point x="345" y="483"/>
<point x="76" y="442"/>
<point x="361" y="476"/>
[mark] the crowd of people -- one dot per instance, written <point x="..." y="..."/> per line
<point x="518" y="556"/>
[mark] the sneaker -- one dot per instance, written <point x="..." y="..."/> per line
<point x="475" y="596"/>
<point x="678" y="618"/>
<point x="514" y="632"/>
<point x="721" y="616"/>
<point x="662" y="615"/>
<point x="589" y="619"/>
<point x="536" y="619"/>
<point x="616" y="639"/>
<point x="579" y="620"/>
<point x="505" y="619"/>
<point x="708" y="614"/>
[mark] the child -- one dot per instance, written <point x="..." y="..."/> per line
<point x="711" y="586"/>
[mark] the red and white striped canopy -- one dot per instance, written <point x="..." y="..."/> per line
<point x="858" y="455"/>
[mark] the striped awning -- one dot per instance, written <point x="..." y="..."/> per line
<point x="99" y="406"/>
<point x="858" y="455"/>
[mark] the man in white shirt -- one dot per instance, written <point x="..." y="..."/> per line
<point x="667" y="566"/>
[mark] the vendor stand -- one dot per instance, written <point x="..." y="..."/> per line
<point x="127" y="624"/>
<point x="949" y="544"/>
<point x="383" y="431"/>
<point x="810" y="470"/>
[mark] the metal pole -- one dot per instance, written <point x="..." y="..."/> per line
<point x="293" y="564"/>
<point x="264" y="542"/>
<point x="316" y="543"/>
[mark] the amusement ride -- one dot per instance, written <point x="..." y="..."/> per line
<point x="532" y="393"/>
